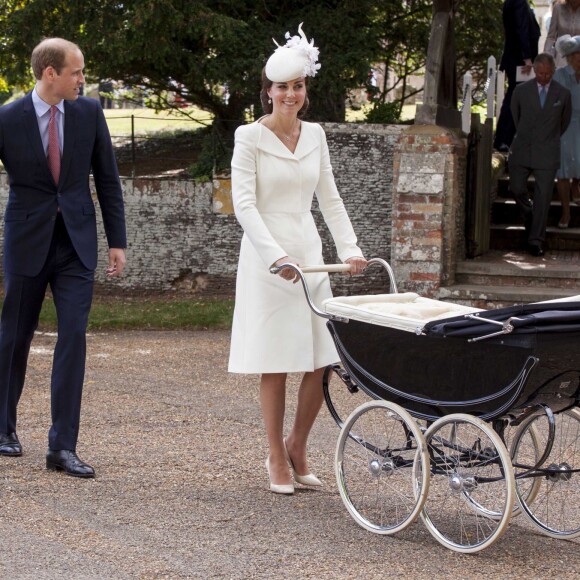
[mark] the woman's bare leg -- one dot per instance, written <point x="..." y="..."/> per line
<point x="273" y="402"/>
<point x="310" y="397"/>
<point x="575" y="190"/>
<point x="564" y="193"/>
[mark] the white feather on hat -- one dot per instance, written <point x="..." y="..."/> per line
<point x="297" y="58"/>
<point x="567" y="44"/>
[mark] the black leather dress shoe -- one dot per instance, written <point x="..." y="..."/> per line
<point x="9" y="445"/>
<point x="536" y="250"/>
<point x="69" y="462"/>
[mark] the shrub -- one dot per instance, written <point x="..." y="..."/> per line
<point x="385" y="113"/>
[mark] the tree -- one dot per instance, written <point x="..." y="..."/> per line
<point x="197" y="47"/>
<point x="406" y="29"/>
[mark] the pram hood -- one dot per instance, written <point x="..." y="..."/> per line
<point x="542" y="317"/>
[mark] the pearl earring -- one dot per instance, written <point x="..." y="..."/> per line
<point x="269" y="101"/>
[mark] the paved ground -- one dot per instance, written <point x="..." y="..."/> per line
<point x="181" y="488"/>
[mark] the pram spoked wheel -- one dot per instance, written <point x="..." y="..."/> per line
<point x="472" y="487"/>
<point x="553" y="505"/>
<point x="375" y="454"/>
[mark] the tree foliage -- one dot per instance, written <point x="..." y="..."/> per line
<point x="198" y="47"/>
<point x="406" y="26"/>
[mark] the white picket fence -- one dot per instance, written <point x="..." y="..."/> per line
<point x="494" y="90"/>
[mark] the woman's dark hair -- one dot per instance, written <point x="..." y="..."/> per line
<point x="264" y="98"/>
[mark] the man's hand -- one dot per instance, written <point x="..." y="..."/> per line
<point x="527" y="66"/>
<point x="116" y="262"/>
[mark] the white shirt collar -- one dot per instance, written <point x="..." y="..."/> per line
<point x="42" y="107"/>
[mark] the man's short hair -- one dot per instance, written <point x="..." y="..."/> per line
<point x="51" y="52"/>
<point x="545" y="58"/>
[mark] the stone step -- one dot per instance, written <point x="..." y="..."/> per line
<point x="499" y="296"/>
<point x="512" y="236"/>
<point x="501" y="278"/>
<point x="505" y="211"/>
<point x="519" y="270"/>
<point x="504" y="181"/>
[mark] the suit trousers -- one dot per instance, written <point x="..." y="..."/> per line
<point x="506" y="128"/>
<point x="535" y="213"/>
<point x="71" y="284"/>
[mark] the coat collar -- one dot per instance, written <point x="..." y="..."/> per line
<point x="269" y="142"/>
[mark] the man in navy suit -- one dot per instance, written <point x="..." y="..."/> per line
<point x="50" y="140"/>
<point x="542" y="109"/>
<point x="521" y="36"/>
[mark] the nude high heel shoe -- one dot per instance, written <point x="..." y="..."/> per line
<point x="309" y="479"/>
<point x="285" y="489"/>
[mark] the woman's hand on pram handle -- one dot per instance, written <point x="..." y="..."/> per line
<point x="357" y="265"/>
<point x="286" y="273"/>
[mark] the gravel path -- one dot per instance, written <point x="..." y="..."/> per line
<point x="181" y="491"/>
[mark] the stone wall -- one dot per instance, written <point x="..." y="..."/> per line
<point x="183" y="239"/>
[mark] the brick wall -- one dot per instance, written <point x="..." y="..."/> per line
<point x="183" y="240"/>
<point x="428" y="208"/>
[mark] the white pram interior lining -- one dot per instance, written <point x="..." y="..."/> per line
<point x="405" y="311"/>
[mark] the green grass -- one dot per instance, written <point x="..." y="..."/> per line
<point x="359" y="115"/>
<point x="149" y="314"/>
<point x="147" y="121"/>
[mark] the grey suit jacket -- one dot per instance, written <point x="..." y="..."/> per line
<point x="538" y="130"/>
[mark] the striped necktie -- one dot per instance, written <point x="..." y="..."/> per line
<point x="53" y="146"/>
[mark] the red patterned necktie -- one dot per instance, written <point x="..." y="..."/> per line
<point x="53" y="147"/>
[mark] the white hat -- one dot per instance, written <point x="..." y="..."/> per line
<point x="297" y="58"/>
<point x="567" y="45"/>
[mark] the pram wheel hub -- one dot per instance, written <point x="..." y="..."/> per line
<point x="460" y="483"/>
<point x="559" y="472"/>
<point x="377" y="469"/>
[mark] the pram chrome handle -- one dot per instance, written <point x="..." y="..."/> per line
<point x="330" y="268"/>
<point x="506" y="326"/>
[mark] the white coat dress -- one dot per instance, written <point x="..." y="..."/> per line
<point x="273" y="329"/>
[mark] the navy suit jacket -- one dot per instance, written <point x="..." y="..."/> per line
<point x="522" y="33"/>
<point x="34" y="197"/>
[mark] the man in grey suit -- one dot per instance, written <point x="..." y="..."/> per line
<point x="541" y="108"/>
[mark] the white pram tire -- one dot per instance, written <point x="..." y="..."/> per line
<point x="553" y="508"/>
<point x="375" y="456"/>
<point x="472" y="487"/>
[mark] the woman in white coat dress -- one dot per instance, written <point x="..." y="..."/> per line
<point x="279" y="163"/>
